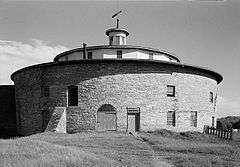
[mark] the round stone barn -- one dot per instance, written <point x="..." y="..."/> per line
<point x="114" y="87"/>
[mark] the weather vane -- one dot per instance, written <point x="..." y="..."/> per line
<point x="115" y="15"/>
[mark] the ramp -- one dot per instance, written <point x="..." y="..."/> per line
<point x="57" y="122"/>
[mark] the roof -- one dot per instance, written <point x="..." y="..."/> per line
<point x="117" y="47"/>
<point x="218" y="77"/>
<point x="116" y="30"/>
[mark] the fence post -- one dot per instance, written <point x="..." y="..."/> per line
<point x="205" y="129"/>
<point x="220" y="133"/>
<point x="231" y="133"/>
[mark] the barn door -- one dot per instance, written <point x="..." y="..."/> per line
<point x="106" y="118"/>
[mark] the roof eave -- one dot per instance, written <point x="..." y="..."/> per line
<point x="218" y="77"/>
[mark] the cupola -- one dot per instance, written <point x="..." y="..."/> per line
<point x="117" y="36"/>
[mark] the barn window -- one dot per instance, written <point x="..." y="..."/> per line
<point x="171" y="118"/>
<point x="45" y="91"/>
<point x="123" y="40"/>
<point x="117" y="40"/>
<point x="171" y="90"/>
<point x="119" y="54"/>
<point x="193" y="118"/>
<point x="151" y="56"/>
<point x="211" y="97"/>
<point x="89" y="55"/>
<point x="72" y="96"/>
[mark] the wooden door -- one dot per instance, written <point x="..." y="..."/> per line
<point x="106" y="118"/>
<point x="133" y="122"/>
<point x="106" y="121"/>
<point x="100" y="120"/>
<point x="110" y="121"/>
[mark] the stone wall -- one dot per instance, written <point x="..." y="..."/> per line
<point x="79" y="119"/>
<point x="121" y="84"/>
<point x="27" y="96"/>
<point x="7" y="111"/>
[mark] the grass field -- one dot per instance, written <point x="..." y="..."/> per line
<point x="194" y="149"/>
<point x="158" y="148"/>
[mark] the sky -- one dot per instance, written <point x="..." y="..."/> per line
<point x="200" y="32"/>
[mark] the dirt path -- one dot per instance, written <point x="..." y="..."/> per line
<point x="159" y="161"/>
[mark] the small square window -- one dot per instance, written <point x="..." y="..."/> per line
<point x="171" y="118"/>
<point x="89" y="55"/>
<point x="151" y="56"/>
<point x="118" y="40"/>
<point x="45" y="91"/>
<point x="211" y="97"/>
<point x="193" y="118"/>
<point x="119" y="54"/>
<point x="123" y="41"/>
<point x="171" y="90"/>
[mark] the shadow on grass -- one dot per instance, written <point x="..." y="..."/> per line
<point x="8" y="134"/>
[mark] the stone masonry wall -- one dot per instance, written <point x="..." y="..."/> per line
<point x="27" y="97"/>
<point x="121" y="84"/>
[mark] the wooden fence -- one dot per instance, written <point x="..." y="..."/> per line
<point x="224" y="134"/>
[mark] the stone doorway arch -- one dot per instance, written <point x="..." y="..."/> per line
<point x="107" y="118"/>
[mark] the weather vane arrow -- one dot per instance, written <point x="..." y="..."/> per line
<point x="116" y="14"/>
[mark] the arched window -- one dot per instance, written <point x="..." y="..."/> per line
<point x="107" y="108"/>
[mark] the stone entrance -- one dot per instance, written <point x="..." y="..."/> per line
<point x="107" y="118"/>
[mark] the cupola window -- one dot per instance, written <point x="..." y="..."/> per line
<point x="117" y="40"/>
<point x="123" y="40"/>
<point x="110" y="40"/>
